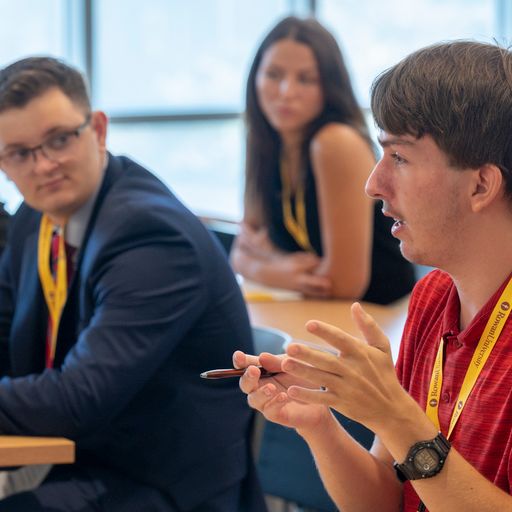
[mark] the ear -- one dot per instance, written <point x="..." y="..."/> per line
<point x="99" y="122"/>
<point x="487" y="186"/>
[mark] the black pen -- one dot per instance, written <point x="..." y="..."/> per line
<point x="233" y="372"/>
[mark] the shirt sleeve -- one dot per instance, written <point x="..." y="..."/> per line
<point x="143" y="301"/>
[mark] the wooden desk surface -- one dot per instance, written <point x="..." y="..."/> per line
<point x="291" y="316"/>
<point x="25" y="450"/>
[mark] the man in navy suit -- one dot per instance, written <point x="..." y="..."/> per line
<point x="4" y="221"/>
<point x="113" y="298"/>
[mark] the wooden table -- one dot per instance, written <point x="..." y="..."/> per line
<point x="291" y="316"/>
<point x="25" y="450"/>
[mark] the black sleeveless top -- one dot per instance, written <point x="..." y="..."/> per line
<point x="392" y="276"/>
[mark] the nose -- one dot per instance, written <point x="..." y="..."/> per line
<point x="287" y="87"/>
<point x="376" y="184"/>
<point x="42" y="163"/>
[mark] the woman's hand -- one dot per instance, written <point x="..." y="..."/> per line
<point x="256" y="241"/>
<point x="257" y="258"/>
<point x="269" y="394"/>
<point x="297" y="271"/>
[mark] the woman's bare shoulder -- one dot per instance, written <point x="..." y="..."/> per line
<point x="337" y="143"/>
<point x="336" y="134"/>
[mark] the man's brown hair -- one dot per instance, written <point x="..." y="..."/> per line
<point x="26" y="79"/>
<point x="459" y="93"/>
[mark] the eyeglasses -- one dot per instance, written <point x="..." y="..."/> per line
<point x="56" y="147"/>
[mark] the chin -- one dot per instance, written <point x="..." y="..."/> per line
<point x="59" y="209"/>
<point x="417" y="258"/>
<point x="287" y="126"/>
<point x="410" y="254"/>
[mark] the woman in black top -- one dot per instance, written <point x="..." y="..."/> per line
<point x="308" y="225"/>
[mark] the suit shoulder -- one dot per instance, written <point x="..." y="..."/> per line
<point x="138" y="207"/>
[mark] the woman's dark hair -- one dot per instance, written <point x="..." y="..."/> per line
<point x="29" y="78"/>
<point x="459" y="93"/>
<point x="340" y="105"/>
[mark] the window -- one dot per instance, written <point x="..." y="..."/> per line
<point x="171" y="74"/>
<point x="163" y="56"/>
<point x="44" y="31"/>
<point x="180" y="79"/>
<point x="40" y="32"/>
<point x="201" y="161"/>
<point x="374" y="35"/>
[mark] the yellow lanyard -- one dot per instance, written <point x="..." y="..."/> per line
<point x="297" y="227"/>
<point x="487" y="342"/>
<point x="55" y="289"/>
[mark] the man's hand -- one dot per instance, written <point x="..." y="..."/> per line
<point x="360" y="383"/>
<point x="269" y="395"/>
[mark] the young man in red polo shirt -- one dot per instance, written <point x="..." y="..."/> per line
<point x="444" y="426"/>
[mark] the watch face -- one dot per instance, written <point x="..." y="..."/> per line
<point x="426" y="460"/>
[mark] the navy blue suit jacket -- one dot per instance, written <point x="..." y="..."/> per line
<point x="4" y="220"/>
<point x="152" y="304"/>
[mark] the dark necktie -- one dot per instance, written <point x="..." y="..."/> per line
<point x="70" y="269"/>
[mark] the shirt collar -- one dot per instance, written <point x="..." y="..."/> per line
<point x="471" y="334"/>
<point x="77" y="223"/>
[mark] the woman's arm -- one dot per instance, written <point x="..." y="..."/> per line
<point x="255" y="257"/>
<point x="342" y="161"/>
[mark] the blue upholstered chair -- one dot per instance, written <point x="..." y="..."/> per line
<point x="225" y="231"/>
<point x="287" y="469"/>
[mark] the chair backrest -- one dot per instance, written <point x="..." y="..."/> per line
<point x="268" y="339"/>
<point x="224" y="230"/>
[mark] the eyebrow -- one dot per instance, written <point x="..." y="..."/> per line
<point x="396" y="141"/>
<point x="47" y="134"/>
<point x="278" y="66"/>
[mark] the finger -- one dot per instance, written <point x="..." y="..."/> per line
<point x="308" y="266"/>
<point x="316" y="283"/>
<point x="316" y="357"/>
<point x="250" y="380"/>
<point x="303" y="257"/>
<point x="259" y="398"/>
<point x="315" y="286"/>
<point x="336" y="337"/>
<point x="315" y="293"/>
<point x="314" y="396"/>
<point x="242" y="360"/>
<point x="318" y="378"/>
<point x="310" y="396"/>
<point x="370" y="329"/>
<point x="275" y="409"/>
<point x="271" y="362"/>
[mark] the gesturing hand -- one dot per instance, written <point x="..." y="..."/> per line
<point x="269" y="395"/>
<point x="360" y="382"/>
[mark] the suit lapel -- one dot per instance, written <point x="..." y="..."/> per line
<point x="69" y="328"/>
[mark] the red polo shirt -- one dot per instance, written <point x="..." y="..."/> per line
<point x="483" y="434"/>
